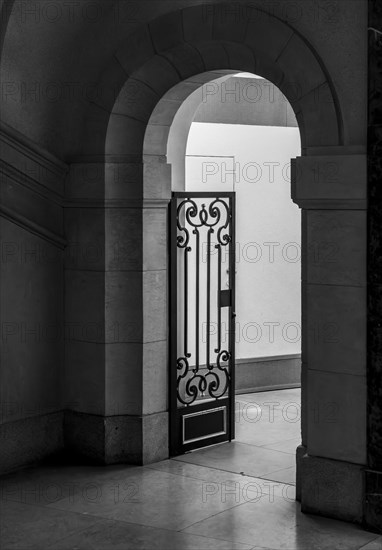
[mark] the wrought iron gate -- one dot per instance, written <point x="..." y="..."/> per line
<point x="202" y="320"/>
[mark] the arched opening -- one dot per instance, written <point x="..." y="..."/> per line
<point x="156" y="62"/>
<point x="265" y="217"/>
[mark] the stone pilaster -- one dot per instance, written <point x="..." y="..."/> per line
<point x="331" y="190"/>
<point x="373" y="476"/>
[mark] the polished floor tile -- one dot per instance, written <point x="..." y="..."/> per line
<point x="373" y="545"/>
<point x="287" y="475"/>
<point x="279" y="525"/>
<point x="240" y="458"/>
<point x="48" y="484"/>
<point x="237" y="496"/>
<point x="269" y="420"/>
<point x="153" y="498"/>
<point x="29" y="526"/>
<point x="221" y="481"/>
<point x="285" y="446"/>
<point x="266" y="431"/>
<point x="115" y="535"/>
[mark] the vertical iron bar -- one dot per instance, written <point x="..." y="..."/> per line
<point x="208" y="296"/>
<point x="218" y="348"/>
<point x="197" y="253"/>
<point x="187" y="250"/>
<point x="232" y="281"/>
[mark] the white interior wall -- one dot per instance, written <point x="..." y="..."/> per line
<point x="268" y="232"/>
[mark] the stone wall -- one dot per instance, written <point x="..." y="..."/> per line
<point x="373" y="476"/>
<point x="32" y="321"/>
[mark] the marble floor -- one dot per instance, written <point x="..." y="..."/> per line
<point x="237" y="495"/>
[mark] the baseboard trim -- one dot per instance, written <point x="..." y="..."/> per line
<point x="270" y="373"/>
<point x="267" y="358"/>
<point x="273" y="387"/>
<point x="31" y="440"/>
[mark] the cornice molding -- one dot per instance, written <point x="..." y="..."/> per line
<point x="32" y="227"/>
<point x="25" y="180"/>
<point x="29" y="147"/>
<point x="117" y="203"/>
<point x="32" y="161"/>
<point x="29" y="173"/>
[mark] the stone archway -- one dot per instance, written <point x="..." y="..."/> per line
<point x="329" y="184"/>
<point x="174" y="114"/>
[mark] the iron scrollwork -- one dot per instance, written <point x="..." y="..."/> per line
<point x="213" y="380"/>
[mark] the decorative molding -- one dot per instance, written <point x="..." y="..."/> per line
<point x="105" y="158"/>
<point x="32" y="160"/>
<point x="330" y="182"/>
<point x="32" y="186"/>
<point x="116" y="203"/>
<point x="21" y="178"/>
<point x="32" y="227"/>
<point x="31" y="148"/>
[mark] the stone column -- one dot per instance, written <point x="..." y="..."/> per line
<point x="331" y="190"/>
<point x="373" y="474"/>
<point x="84" y="379"/>
<point x="116" y="358"/>
<point x="136" y="318"/>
